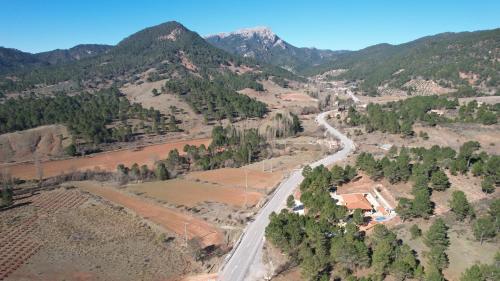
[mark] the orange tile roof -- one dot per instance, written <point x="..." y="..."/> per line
<point x="356" y="201"/>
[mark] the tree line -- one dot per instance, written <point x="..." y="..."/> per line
<point x="399" y="117"/>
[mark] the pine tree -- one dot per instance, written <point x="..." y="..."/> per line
<point x="290" y="201"/>
<point x="437" y="235"/>
<point x="439" y="181"/>
<point x="422" y="205"/>
<point x="358" y="217"/>
<point x="437" y="240"/>
<point x="161" y="172"/>
<point x="404" y="263"/>
<point x="459" y="205"/>
<point x="484" y="228"/>
<point x="337" y="175"/>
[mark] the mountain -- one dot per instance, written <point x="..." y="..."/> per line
<point x="11" y="59"/>
<point x="263" y="45"/>
<point x="76" y="53"/>
<point x="205" y="77"/>
<point x="170" y="49"/>
<point x="449" y="58"/>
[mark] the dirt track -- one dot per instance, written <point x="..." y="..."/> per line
<point x="170" y="219"/>
<point x="104" y="161"/>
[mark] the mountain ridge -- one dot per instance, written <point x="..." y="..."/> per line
<point x="12" y="59"/>
<point x="443" y="57"/>
<point x="262" y="44"/>
<point x="169" y="49"/>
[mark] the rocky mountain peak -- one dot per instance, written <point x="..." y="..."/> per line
<point x="259" y="31"/>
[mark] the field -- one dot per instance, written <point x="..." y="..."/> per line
<point x="300" y="97"/>
<point x="104" y="161"/>
<point x="277" y="97"/>
<point x="68" y="235"/>
<point x="454" y="135"/>
<point x="191" y="193"/>
<point x="235" y="177"/>
<point x="174" y="221"/>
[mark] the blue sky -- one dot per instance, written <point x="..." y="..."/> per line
<point x="36" y="26"/>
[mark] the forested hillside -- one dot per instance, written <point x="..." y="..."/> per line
<point x="15" y="60"/>
<point x="205" y="76"/>
<point x="450" y="58"/>
<point x="78" y="52"/>
<point x="169" y="48"/>
<point x="86" y="115"/>
<point x="12" y="59"/>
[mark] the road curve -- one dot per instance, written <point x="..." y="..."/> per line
<point x="247" y="251"/>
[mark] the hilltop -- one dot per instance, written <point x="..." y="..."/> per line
<point x="262" y="44"/>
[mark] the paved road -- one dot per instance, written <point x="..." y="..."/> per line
<point x="248" y="251"/>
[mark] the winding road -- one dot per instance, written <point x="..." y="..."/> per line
<point x="248" y="251"/>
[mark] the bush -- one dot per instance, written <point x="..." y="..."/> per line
<point x="161" y="172"/>
<point x="7" y="196"/>
<point x="415" y="231"/>
<point x="290" y="201"/>
<point x="70" y="150"/>
<point x="439" y="181"/>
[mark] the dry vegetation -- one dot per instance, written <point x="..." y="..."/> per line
<point x="169" y="219"/>
<point x="83" y="238"/>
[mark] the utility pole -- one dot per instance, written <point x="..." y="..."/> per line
<point x="185" y="234"/>
<point x="246" y="186"/>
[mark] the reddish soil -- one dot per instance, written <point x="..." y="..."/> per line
<point x="104" y="161"/>
<point x="170" y="219"/>
<point x="191" y="193"/>
<point x="235" y="177"/>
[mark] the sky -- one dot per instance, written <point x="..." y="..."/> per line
<point x="37" y="25"/>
